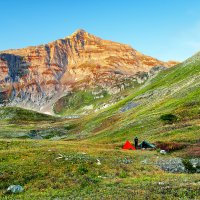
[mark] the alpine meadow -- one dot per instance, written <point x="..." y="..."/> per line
<point x="84" y="117"/>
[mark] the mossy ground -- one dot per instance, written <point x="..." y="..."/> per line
<point x="69" y="170"/>
<point x="16" y="122"/>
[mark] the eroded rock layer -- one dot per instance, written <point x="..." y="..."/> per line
<point x="38" y="76"/>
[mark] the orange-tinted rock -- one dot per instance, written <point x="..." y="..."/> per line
<point x="77" y="61"/>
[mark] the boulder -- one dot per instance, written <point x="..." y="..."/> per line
<point x="15" y="189"/>
<point x="163" y="152"/>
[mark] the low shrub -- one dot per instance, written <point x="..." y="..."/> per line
<point x="193" y="151"/>
<point x="82" y="170"/>
<point x="123" y="174"/>
<point x="170" y="146"/>
<point x="188" y="166"/>
<point x="169" y="118"/>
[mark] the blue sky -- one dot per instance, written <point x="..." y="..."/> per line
<point x="165" y="29"/>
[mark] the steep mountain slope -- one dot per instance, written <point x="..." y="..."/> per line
<point x="36" y="77"/>
<point x="173" y="92"/>
<point x="84" y="102"/>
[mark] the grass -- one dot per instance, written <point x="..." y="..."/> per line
<point x="81" y="102"/>
<point x="15" y="114"/>
<point x="69" y="169"/>
<point x="39" y="167"/>
<point x="18" y="122"/>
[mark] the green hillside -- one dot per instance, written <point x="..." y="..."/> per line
<point x="92" y="99"/>
<point x="19" y="114"/>
<point x="173" y="91"/>
<point x="16" y="122"/>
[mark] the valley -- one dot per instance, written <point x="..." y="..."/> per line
<point x="75" y="152"/>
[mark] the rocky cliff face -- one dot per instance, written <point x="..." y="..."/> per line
<point x="35" y="77"/>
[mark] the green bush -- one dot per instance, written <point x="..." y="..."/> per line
<point x="169" y="118"/>
<point x="123" y="174"/>
<point x="82" y="170"/>
<point x="188" y="166"/>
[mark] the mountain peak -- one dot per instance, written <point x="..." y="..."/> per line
<point x="79" y="32"/>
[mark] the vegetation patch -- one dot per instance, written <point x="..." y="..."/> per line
<point x="171" y="146"/>
<point x="169" y="118"/>
<point x="190" y="167"/>
<point x="69" y="170"/>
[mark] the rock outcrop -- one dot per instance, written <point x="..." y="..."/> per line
<point x="35" y="77"/>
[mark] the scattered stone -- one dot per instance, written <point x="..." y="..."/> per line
<point x="176" y="165"/>
<point x="195" y="163"/>
<point x="98" y="162"/>
<point x="89" y="107"/>
<point x="163" y="152"/>
<point x="72" y="117"/>
<point x="173" y="165"/>
<point x="129" y="106"/>
<point x="161" y="183"/>
<point x="144" y="161"/>
<point x="15" y="189"/>
<point x="102" y="177"/>
<point x="60" y="156"/>
<point x="76" y="158"/>
<point x="55" y="138"/>
<point x="34" y="135"/>
<point x="125" y="161"/>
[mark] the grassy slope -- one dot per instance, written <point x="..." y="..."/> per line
<point x="75" y="103"/>
<point x="175" y="91"/>
<point x="20" y="114"/>
<point x="84" y="102"/>
<point x="16" y="121"/>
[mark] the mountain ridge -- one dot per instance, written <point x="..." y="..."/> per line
<point x="33" y="76"/>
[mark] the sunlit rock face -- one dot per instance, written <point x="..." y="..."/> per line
<point x="35" y="77"/>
